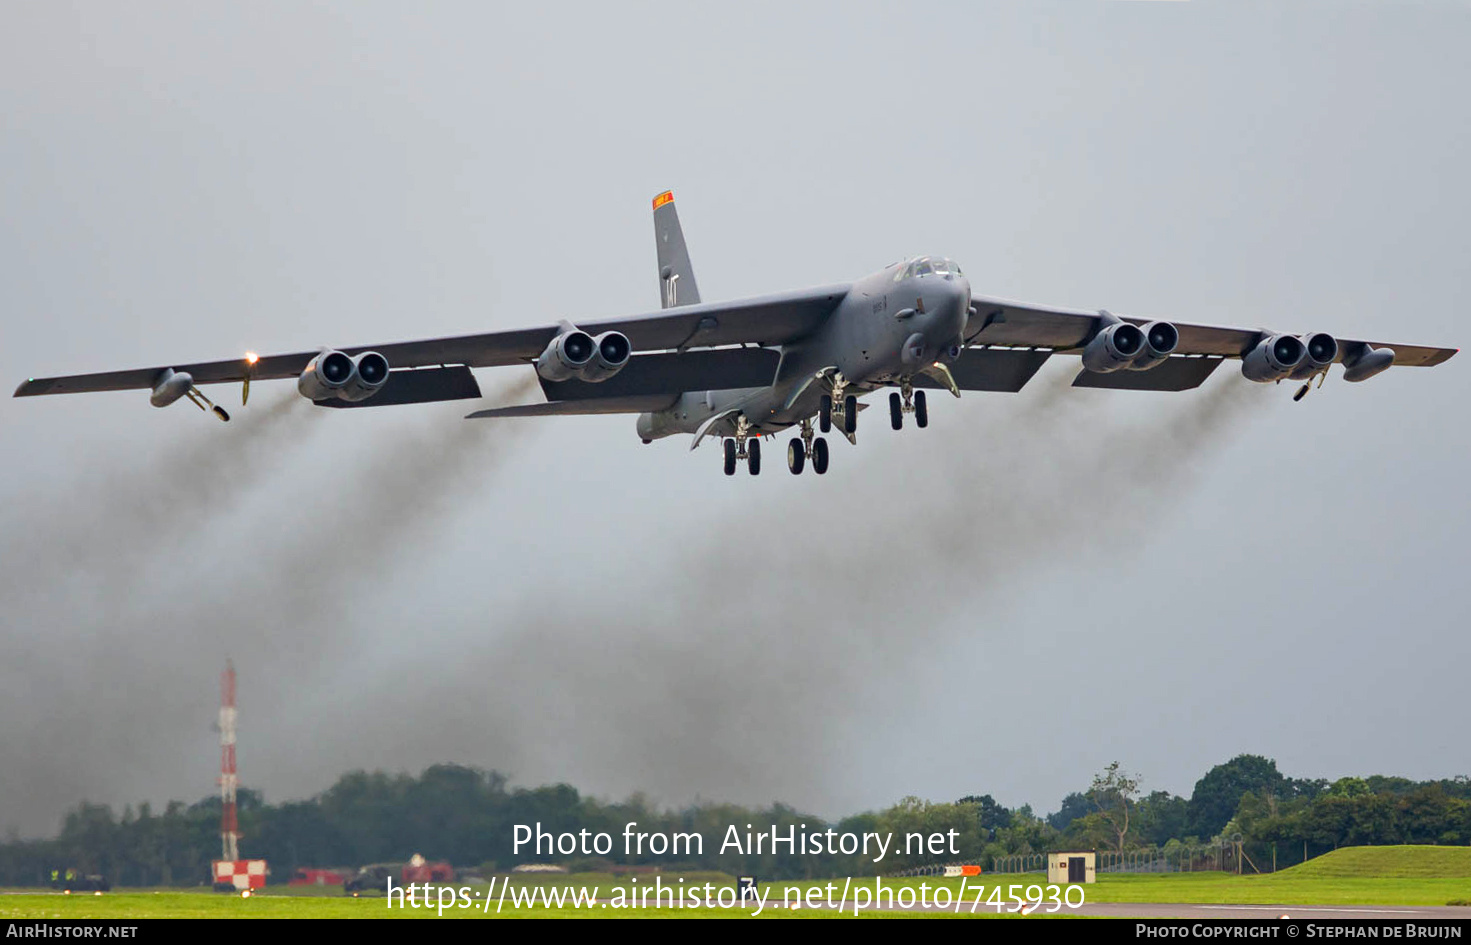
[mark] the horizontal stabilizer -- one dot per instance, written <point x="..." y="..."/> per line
<point x="421" y="386"/>
<point x="671" y="373"/>
<point x="992" y="369"/>
<point x="574" y="408"/>
<point x="1173" y="374"/>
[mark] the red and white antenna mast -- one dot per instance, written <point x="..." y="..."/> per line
<point x="229" y="825"/>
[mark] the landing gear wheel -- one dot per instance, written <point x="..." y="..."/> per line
<point x="753" y="457"/>
<point x="819" y="456"/>
<point x="850" y="414"/>
<point x="896" y="411"/>
<point x="730" y="457"/>
<point x="921" y="412"/>
<point x="825" y="415"/>
<point x="796" y="456"/>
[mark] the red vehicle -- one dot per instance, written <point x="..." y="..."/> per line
<point x="317" y="876"/>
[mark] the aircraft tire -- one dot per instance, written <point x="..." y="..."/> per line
<point x="819" y="456"/>
<point x="825" y="415"/>
<point x="896" y="411"/>
<point x="850" y="414"/>
<point x="730" y="457"/>
<point x="753" y="456"/>
<point x="796" y="456"/>
<point x="921" y="410"/>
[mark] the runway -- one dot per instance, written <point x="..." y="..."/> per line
<point x="1213" y="911"/>
<point x="1206" y="912"/>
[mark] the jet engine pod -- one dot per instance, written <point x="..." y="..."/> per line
<point x="1113" y="348"/>
<point x="611" y="352"/>
<point x="1319" y="350"/>
<point x="567" y="356"/>
<point x="1160" y="341"/>
<point x="370" y="373"/>
<point x="326" y="376"/>
<point x="1273" y="359"/>
<point x="1365" y="362"/>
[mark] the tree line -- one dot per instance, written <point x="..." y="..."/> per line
<point x="465" y="815"/>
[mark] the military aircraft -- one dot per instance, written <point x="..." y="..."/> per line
<point x="749" y="369"/>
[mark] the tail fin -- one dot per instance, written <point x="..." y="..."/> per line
<point x="676" y="276"/>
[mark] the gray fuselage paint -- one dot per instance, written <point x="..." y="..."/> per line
<point x="865" y="338"/>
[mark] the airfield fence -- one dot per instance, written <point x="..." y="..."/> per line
<point x="1020" y="863"/>
<point x="1230" y="856"/>
<point x="1180" y="860"/>
<point x="1225" y="857"/>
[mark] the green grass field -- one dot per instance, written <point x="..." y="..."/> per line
<point x="1406" y="861"/>
<point x="1404" y="875"/>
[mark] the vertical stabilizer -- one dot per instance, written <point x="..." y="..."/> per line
<point x="676" y="277"/>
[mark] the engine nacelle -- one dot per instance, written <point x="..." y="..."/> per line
<point x="1273" y="358"/>
<point x="369" y="374"/>
<point x="567" y="356"/>
<point x="1366" y="362"/>
<point x="1114" y="348"/>
<point x="1160" y="341"/>
<point x="326" y="375"/>
<point x="612" y="351"/>
<point x="170" y="387"/>
<point x="1319" y="350"/>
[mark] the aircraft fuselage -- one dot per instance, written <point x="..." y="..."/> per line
<point x="890" y="326"/>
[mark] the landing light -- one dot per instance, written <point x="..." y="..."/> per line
<point x="250" y="358"/>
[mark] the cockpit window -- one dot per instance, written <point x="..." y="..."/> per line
<point x="928" y="265"/>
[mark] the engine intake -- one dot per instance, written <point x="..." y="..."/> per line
<point x="325" y="376"/>
<point x="613" y="352"/>
<point x="334" y="375"/>
<point x="1319" y="351"/>
<point x="566" y="356"/>
<point x="576" y="355"/>
<point x="1114" y="348"/>
<point x="369" y="374"/>
<point x="1160" y="341"/>
<point x="1273" y="358"/>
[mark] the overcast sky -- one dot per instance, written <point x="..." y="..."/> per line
<point x="1033" y="587"/>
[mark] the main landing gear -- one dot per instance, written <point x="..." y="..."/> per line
<point x="908" y="400"/>
<point x="804" y="446"/>
<point x="839" y="407"/>
<point x="737" y="448"/>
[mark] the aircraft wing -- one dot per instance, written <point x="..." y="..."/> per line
<point x="1023" y="325"/>
<point x="765" y="320"/>
<point x="582" y="407"/>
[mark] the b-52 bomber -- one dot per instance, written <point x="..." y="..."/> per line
<point x="752" y="368"/>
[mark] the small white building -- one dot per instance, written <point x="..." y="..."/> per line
<point x="1068" y="868"/>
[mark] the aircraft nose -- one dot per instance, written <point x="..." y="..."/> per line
<point x="947" y="303"/>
